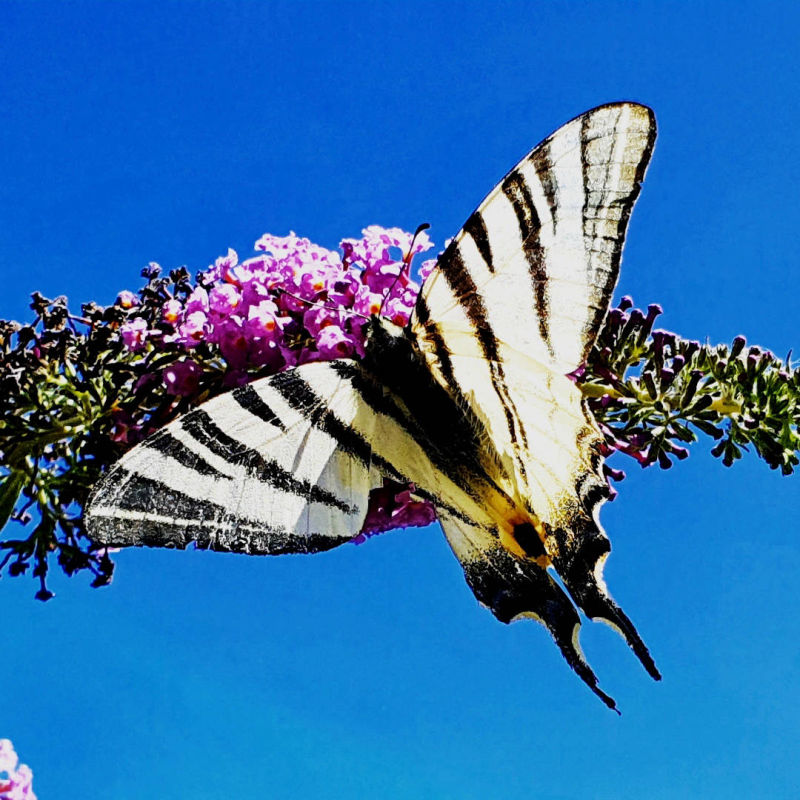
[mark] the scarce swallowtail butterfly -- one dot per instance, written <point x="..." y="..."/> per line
<point x="471" y="403"/>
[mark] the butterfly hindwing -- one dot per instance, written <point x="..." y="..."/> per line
<point x="514" y="587"/>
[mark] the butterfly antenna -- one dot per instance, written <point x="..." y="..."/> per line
<point x="407" y="259"/>
<point x="320" y="303"/>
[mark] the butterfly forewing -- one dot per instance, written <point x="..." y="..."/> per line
<point x="253" y="470"/>
<point x="285" y="465"/>
<point x="537" y="262"/>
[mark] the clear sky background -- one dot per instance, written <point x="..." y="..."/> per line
<point x="166" y="131"/>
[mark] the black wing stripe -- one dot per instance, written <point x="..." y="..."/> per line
<point x="592" y="205"/>
<point x="164" y="516"/>
<point x="592" y="232"/>
<point x="248" y="398"/>
<point x="543" y="164"/>
<point x="516" y="189"/>
<point x="168" y="445"/>
<point x="464" y="289"/>
<point x="199" y="425"/>
<point x="440" y="349"/>
<point x="476" y="228"/>
<point x="301" y="396"/>
<point x="446" y="436"/>
<point x="141" y="494"/>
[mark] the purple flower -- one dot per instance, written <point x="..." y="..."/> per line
<point x="409" y="292"/>
<point x="398" y="311"/>
<point x="296" y="250"/>
<point x="126" y="299"/>
<point x="126" y="429"/>
<point x="392" y="506"/>
<point x="223" y="268"/>
<point x="182" y="378"/>
<point x="367" y="302"/>
<point x="256" y="289"/>
<point x="312" y="282"/>
<point x="197" y="301"/>
<point x="266" y="353"/>
<point x="375" y="248"/>
<point x="193" y="330"/>
<point x="264" y="324"/>
<point x="171" y="311"/>
<point x="291" y="303"/>
<point x="235" y="378"/>
<point x="426" y="267"/>
<point x="319" y="317"/>
<point x="389" y="279"/>
<point x="234" y="344"/>
<point x="225" y="299"/>
<point x="8" y="758"/>
<point x="342" y="289"/>
<point x="306" y="355"/>
<point x="333" y="342"/>
<point x="260" y="313"/>
<point x="16" y="781"/>
<point x="134" y="333"/>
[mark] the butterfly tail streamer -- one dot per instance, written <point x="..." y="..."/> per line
<point x="513" y="588"/>
<point x="581" y="570"/>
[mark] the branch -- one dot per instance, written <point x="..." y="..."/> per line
<point x="77" y="391"/>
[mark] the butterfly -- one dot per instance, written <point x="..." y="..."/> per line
<point x="471" y="403"/>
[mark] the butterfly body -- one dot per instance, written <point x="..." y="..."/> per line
<point x="471" y="403"/>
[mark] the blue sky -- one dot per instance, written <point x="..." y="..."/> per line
<point x="166" y="131"/>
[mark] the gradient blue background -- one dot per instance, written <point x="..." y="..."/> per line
<point x="137" y="132"/>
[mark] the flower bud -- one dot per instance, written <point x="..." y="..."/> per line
<point x="653" y="310"/>
<point x="691" y="387"/>
<point x="680" y="453"/>
<point x="650" y="385"/>
<point x="737" y="346"/>
<point x="126" y="299"/>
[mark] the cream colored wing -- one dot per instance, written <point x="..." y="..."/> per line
<point x="286" y="464"/>
<point x="515" y="304"/>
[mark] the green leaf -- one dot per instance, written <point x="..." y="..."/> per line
<point x="9" y="494"/>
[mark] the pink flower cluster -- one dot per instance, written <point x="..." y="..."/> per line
<point x="16" y="780"/>
<point x="293" y="303"/>
<point x="393" y="506"/>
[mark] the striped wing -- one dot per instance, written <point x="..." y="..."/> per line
<point x="283" y="465"/>
<point x="535" y="266"/>
<point x="261" y="469"/>
<point x="514" y="306"/>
